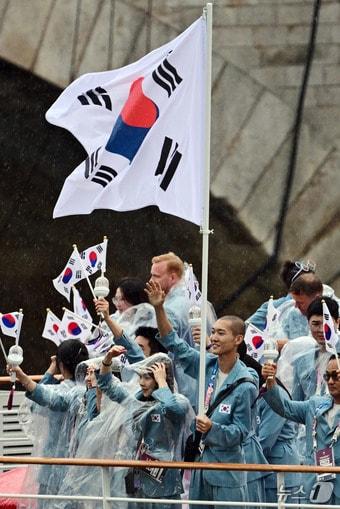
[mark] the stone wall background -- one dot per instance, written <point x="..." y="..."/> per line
<point x="259" y="51"/>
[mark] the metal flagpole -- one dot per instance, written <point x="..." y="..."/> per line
<point x="207" y="14"/>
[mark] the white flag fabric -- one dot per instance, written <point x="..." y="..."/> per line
<point x="329" y="333"/>
<point x="70" y="275"/>
<point x="52" y="328"/>
<point x="10" y="324"/>
<point x="94" y="258"/>
<point x="254" y="341"/>
<point x="79" y="306"/>
<point x="143" y="129"/>
<point x="74" y="328"/>
<point x="99" y="342"/>
<point x="79" y="266"/>
<point x="270" y="330"/>
<point x="192" y="286"/>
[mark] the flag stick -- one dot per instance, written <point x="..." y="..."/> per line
<point x="207" y="13"/>
<point x="103" y="270"/>
<point x="21" y="316"/>
<point x="48" y="311"/>
<point x="3" y="351"/>
<point x="86" y="276"/>
<point x="83" y="268"/>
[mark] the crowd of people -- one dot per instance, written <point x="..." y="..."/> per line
<point x="140" y="400"/>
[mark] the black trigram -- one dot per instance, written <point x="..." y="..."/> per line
<point x="102" y="175"/>
<point x="99" y="248"/>
<point x="168" y="162"/>
<point x="167" y="77"/>
<point x="71" y="261"/>
<point x="91" y="162"/>
<point x="96" y="97"/>
<point x="78" y="274"/>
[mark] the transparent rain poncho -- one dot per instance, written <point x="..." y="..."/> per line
<point x="300" y="368"/>
<point x="126" y="421"/>
<point x="141" y="315"/>
<point x="50" y="419"/>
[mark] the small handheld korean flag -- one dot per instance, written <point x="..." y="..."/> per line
<point x="331" y="337"/>
<point x="71" y="274"/>
<point x="74" y="328"/>
<point x="142" y="127"/>
<point x="10" y="323"/>
<point x="192" y="286"/>
<point x="272" y="320"/>
<point x="254" y="341"/>
<point x="94" y="258"/>
<point x="52" y="328"/>
<point x="79" y="306"/>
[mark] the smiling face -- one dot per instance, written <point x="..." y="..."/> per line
<point x="223" y="340"/>
<point x="147" y="384"/>
<point x="334" y="380"/>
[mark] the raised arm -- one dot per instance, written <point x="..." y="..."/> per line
<point x="107" y="383"/>
<point x="133" y="351"/>
<point x="156" y="298"/>
<point x="185" y="354"/>
<point x="102" y="306"/>
<point x="278" y="400"/>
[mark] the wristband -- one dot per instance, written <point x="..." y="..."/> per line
<point x="106" y="365"/>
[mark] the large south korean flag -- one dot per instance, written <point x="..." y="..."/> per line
<point x="143" y="129"/>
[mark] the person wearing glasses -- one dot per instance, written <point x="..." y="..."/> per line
<point x="321" y="416"/>
<point x="303" y="361"/>
<point x="132" y="307"/>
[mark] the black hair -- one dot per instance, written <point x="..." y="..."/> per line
<point x="237" y="325"/>
<point x="133" y="290"/>
<point x="333" y="357"/>
<point x="315" y="307"/>
<point x="150" y="333"/>
<point x="70" y="352"/>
